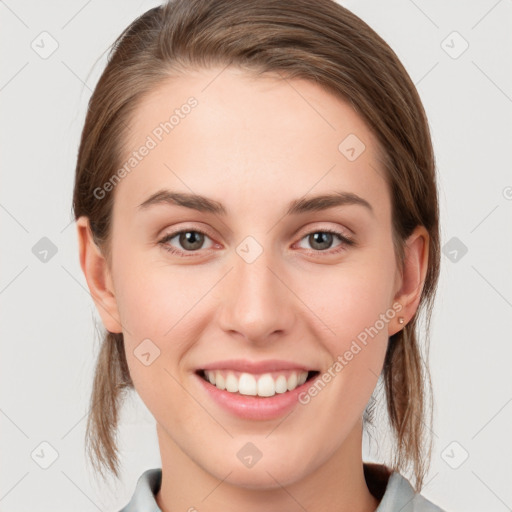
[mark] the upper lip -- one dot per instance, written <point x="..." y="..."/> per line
<point x="244" y="365"/>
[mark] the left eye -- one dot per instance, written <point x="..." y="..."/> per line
<point x="323" y="240"/>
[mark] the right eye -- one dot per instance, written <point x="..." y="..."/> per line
<point x="191" y="240"/>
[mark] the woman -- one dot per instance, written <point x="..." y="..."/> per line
<point x="258" y="225"/>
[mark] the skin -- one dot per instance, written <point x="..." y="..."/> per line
<point x="254" y="144"/>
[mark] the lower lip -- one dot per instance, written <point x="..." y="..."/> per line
<point x="255" y="407"/>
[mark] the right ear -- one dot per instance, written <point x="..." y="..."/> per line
<point x="97" y="275"/>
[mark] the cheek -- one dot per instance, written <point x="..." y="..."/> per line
<point x="152" y="298"/>
<point x="162" y="316"/>
<point x="356" y="302"/>
<point x="358" y="310"/>
<point x="154" y="313"/>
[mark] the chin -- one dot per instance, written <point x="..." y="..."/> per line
<point x="263" y="478"/>
<point x="278" y="468"/>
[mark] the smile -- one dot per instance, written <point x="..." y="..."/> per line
<point x="262" y="385"/>
<point x="255" y="390"/>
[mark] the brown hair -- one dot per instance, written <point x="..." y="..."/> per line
<point x="319" y="41"/>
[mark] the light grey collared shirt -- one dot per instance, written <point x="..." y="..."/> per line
<point x="399" y="495"/>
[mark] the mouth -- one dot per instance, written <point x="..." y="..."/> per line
<point x="262" y="385"/>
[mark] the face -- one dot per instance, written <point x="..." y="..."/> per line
<point x="260" y="283"/>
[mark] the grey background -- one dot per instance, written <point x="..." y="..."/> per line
<point x="48" y="338"/>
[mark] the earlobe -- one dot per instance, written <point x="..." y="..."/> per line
<point x="413" y="276"/>
<point x="97" y="275"/>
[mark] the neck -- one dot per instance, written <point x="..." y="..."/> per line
<point x="338" y="485"/>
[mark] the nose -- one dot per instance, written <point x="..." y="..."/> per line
<point x="256" y="303"/>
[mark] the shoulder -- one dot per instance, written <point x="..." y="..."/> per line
<point x="143" y="498"/>
<point x="400" y="495"/>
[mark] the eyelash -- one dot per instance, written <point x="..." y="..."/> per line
<point x="345" y="241"/>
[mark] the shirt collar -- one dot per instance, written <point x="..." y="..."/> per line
<point x="390" y="487"/>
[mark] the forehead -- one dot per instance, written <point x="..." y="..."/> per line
<point x="235" y="137"/>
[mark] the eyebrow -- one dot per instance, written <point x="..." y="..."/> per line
<point x="296" y="207"/>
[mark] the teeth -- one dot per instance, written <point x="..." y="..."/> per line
<point x="220" y="381"/>
<point x="248" y="384"/>
<point x="302" y="378"/>
<point x="266" y="385"/>
<point x="231" y="383"/>
<point x="281" y="384"/>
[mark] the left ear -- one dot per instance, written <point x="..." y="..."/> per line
<point x="409" y="284"/>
